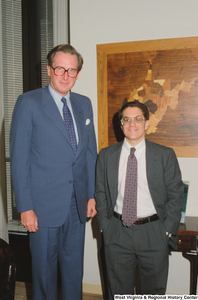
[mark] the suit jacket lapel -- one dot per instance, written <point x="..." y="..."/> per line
<point x="113" y="169"/>
<point x="79" y="119"/>
<point x="151" y="163"/>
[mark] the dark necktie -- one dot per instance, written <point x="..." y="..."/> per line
<point x="69" y="124"/>
<point x="129" y="210"/>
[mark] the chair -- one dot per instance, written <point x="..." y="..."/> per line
<point x="7" y="271"/>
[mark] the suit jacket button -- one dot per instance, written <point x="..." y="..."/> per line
<point x="70" y="181"/>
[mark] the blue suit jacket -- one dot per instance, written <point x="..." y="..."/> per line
<point x="44" y="168"/>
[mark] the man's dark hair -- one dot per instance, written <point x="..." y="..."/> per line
<point x="135" y="103"/>
<point x="65" y="48"/>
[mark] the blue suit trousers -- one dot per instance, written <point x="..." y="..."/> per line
<point x="63" y="245"/>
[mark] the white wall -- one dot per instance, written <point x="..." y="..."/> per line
<point x="108" y="21"/>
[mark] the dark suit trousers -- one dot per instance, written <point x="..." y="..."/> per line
<point x="145" y="245"/>
<point x="66" y="245"/>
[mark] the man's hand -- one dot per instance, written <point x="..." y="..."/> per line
<point x="91" y="208"/>
<point x="29" y="220"/>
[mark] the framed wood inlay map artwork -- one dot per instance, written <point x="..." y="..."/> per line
<point x="162" y="74"/>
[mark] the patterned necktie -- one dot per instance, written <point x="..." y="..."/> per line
<point x="129" y="210"/>
<point x="69" y="124"/>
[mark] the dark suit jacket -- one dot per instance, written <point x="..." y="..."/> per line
<point x="44" y="167"/>
<point x="164" y="181"/>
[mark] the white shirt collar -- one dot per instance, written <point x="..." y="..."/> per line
<point x="139" y="147"/>
<point x="57" y="98"/>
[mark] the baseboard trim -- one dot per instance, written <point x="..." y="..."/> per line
<point x="92" y="289"/>
<point x="88" y="289"/>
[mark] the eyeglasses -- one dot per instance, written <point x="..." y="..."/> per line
<point x="127" y="121"/>
<point x="59" y="71"/>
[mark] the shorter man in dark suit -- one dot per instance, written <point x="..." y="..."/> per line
<point x="139" y="200"/>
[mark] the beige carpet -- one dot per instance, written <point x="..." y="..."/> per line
<point x="24" y="291"/>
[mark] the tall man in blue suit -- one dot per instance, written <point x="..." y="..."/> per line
<point x="53" y="174"/>
<point x="138" y="232"/>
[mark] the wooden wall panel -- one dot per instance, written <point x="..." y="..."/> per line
<point x="163" y="74"/>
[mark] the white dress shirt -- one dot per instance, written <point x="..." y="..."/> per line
<point x="57" y="98"/>
<point x="145" y="206"/>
